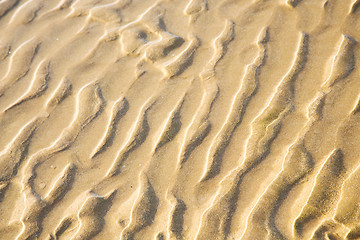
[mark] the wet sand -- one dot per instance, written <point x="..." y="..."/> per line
<point x="172" y="119"/>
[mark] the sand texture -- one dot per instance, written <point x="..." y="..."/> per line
<point x="179" y="119"/>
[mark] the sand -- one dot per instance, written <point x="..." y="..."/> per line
<point x="179" y="119"/>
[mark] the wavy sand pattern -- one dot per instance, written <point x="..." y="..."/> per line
<point x="173" y="119"/>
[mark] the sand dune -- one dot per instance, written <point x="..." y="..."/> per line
<point x="169" y="119"/>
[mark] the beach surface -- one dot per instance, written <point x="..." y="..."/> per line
<point x="179" y="119"/>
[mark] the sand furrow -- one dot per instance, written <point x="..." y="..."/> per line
<point x="343" y="63"/>
<point x="173" y="126"/>
<point x="137" y="136"/>
<point x="31" y="198"/>
<point x="238" y="107"/>
<point x="91" y="215"/>
<point x="220" y="46"/>
<point x="62" y="91"/>
<point x="38" y="85"/>
<point x="183" y="60"/>
<point x="19" y="64"/>
<point x="297" y="164"/>
<point x="15" y="152"/>
<point x="7" y="5"/>
<point x="25" y="13"/>
<point x="143" y="212"/>
<point x="119" y="109"/>
<point x="217" y="219"/>
<point x="324" y="195"/>
<point x="37" y="207"/>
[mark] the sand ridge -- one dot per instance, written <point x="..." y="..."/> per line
<point x="170" y="119"/>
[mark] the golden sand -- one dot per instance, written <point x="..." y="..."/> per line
<point x="179" y="119"/>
